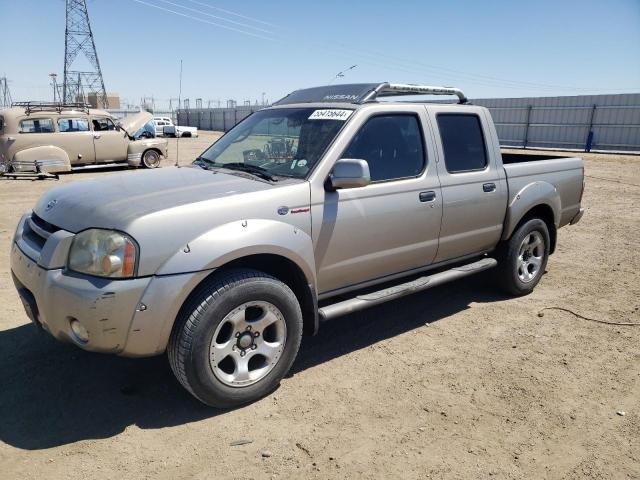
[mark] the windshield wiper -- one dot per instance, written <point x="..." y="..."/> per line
<point x="252" y="169"/>
<point x="203" y="162"/>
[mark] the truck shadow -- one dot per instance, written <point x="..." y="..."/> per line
<point x="54" y="394"/>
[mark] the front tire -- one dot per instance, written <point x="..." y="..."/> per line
<point x="151" y="159"/>
<point x="236" y="338"/>
<point x="522" y="259"/>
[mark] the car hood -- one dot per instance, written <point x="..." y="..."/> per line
<point x="116" y="201"/>
<point x="133" y="123"/>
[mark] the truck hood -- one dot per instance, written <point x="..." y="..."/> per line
<point x="116" y="201"/>
<point x="133" y="123"/>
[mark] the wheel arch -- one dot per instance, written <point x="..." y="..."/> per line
<point x="539" y="199"/>
<point x="545" y="213"/>
<point x="279" y="267"/>
<point x="50" y="157"/>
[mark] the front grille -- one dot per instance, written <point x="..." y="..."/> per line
<point x="37" y="231"/>
<point x="42" y="227"/>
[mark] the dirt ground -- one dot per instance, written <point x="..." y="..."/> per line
<point x="457" y="382"/>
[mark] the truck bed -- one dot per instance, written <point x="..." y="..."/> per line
<point x="565" y="174"/>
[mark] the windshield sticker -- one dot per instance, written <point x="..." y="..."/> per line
<point x="332" y="114"/>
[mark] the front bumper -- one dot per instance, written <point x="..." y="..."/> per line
<point x="129" y="317"/>
<point x="53" y="298"/>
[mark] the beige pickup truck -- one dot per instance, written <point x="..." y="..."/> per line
<point x="53" y="137"/>
<point x="331" y="201"/>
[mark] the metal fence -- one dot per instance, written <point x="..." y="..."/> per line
<point x="585" y="122"/>
<point x="121" y="113"/>
<point x="218" y="119"/>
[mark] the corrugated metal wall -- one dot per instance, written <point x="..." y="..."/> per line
<point x="585" y="122"/>
<point x="565" y="122"/>
<point x="218" y="119"/>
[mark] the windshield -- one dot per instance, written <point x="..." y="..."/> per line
<point x="281" y="142"/>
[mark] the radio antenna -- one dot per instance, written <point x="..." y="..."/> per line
<point x="176" y="125"/>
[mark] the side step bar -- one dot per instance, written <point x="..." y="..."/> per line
<point x="397" y="291"/>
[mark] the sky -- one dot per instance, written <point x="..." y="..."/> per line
<point x="244" y="49"/>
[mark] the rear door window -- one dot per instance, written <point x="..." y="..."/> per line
<point x="462" y="141"/>
<point x="36" y="125"/>
<point x="73" y="125"/>
<point x="392" y="146"/>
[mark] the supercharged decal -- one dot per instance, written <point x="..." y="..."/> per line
<point x="331" y="114"/>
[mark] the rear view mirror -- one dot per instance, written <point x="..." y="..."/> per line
<point x="169" y="130"/>
<point x="350" y="173"/>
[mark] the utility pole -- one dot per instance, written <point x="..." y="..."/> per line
<point x="79" y="40"/>
<point x="54" y="84"/>
<point x="5" y="94"/>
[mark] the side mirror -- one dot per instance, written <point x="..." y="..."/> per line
<point x="350" y="173"/>
<point x="169" y="130"/>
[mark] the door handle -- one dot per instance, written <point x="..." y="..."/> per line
<point x="489" y="187"/>
<point x="429" y="196"/>
<point x="97" y="135"/>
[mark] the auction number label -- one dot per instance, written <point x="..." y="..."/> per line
<point x="331" y="114"/>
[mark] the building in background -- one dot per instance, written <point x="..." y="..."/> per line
<point x="95" y="99"/>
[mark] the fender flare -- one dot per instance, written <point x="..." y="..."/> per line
<point x="532" y="195"/>
<point x="51" y="158"/>
<point x="239" y="239"/>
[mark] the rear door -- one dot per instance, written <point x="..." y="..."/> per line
<point x="76" y="139"/>
<point x="390" y="226"/>
<point x="110" y="143"/>
<point x="474" y="190"/>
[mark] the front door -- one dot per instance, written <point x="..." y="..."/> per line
<point x="390" y="226"/>
<point x="110" y="143"/>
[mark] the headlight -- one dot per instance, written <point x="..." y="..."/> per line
<point x="103" y="253"/>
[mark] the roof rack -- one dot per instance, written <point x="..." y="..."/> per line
<point x="397" y="89"/>
<point x="30" y="107"/>
<point x="358" y="93"/>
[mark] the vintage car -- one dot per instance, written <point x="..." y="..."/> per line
<point x="54" y="137"/>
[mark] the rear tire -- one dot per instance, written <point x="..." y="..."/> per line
<point x="522" y="259"/>
<point x="236" y="338"/>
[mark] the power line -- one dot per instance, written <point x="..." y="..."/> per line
<point x="202" y="21"/>
<point x="384" y="60"/>
<point x="216" y="16"/>
<point x="232" y="13"/>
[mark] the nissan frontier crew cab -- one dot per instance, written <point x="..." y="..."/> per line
<point x="330" y="201"/>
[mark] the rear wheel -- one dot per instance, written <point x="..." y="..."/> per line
<point x="523" y="258"/>
<point x="236" y="339"/>
<point x="151" y="159"/>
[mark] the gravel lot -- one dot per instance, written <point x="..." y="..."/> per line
<point x="457" y="382"/>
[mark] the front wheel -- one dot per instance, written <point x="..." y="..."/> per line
<point x="523" y="258"/>
<point x="236" y="339"/>
<point x="151" y="159"/>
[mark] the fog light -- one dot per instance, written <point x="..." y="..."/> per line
<point x="79" y="331"/>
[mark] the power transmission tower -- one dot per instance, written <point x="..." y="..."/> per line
<point x="79" y="40"/>
<point x="5" y="94"/>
